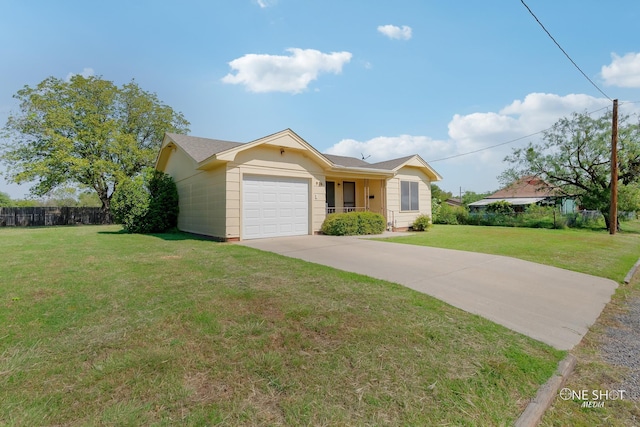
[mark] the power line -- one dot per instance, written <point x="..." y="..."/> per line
<point x="563" y="51"/>
<point x="547" y="129"/>
<point x="544" y="130"/>
<point x="487" y="148"/>
<point x="506" y="142"/>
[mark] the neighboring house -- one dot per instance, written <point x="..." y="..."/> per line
<point x="454" y="201"/>
<point x="525" y="192"/>
<point x="280" y="185"/>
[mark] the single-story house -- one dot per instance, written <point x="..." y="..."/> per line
<point x="280" y="185"/>
<point x="527" y="191"/>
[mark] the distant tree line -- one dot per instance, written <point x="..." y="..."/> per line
<point x="61" y="197"/>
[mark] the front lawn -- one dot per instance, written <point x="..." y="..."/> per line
<point x="586" y="251"/>
<point x="101" y="327"/>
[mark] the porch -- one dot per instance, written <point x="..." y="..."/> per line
<point x="357" y="195"/>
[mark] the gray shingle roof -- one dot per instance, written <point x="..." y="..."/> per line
<point x="202" y="148"/>
<point x="351" y="162"/>
<point x="390" y="164"/>
<point x="346" y="161"/>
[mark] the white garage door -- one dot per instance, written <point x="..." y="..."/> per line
<point x="273" y="207"/>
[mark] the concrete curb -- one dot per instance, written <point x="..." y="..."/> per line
<point x="532" y="415"/>
<point x="631" y="272"/>
<point x="536" y="409"/>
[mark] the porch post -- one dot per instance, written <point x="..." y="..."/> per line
<point x="383" y="201"/>
<point x="366" y="195"/>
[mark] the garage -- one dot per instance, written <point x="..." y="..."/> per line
<point x="274" y="207"/>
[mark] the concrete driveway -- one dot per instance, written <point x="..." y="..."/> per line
<point x="549" y="304"/>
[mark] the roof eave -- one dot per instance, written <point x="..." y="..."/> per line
<point x="230" y="154"/>
<point x="431" y="173"/>
<point x="361" y="170"/>
<point x="211" y="162"/>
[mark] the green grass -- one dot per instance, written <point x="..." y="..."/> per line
<point x="100" y="327"/>
<point x="586" y="251"/>
<point x="589" y="251"/>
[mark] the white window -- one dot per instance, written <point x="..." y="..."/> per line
<point x="409" y="196"/>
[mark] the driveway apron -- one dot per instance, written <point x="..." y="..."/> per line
<point x="546" y="303"/>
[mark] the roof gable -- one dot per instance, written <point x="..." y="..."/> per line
<point x="411" y="161"/>
<point x="286" y="139"/>
<point x="206" y="152"/>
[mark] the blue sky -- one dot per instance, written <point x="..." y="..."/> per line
<point x="381" y="79"/>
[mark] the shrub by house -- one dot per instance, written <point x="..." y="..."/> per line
<point x="353" y="223"/>
<point x="147" y="203"/>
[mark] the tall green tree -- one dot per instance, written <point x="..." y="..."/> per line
<point x="629" y="198"/>
<point x="440" y="194"/>
<point x="575" y="156"/>
<point x="85" y="131"/>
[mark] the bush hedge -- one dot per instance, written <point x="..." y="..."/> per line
<point x="502" y="214"/>
<point x="147" y="203"/>
<point x="533" y="217"/>
<point x="422" y="223"/>
<point x="452" y="215"/>
<point x="353" y="223"/>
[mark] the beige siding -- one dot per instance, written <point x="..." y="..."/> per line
<point x="375" y="196"/>
<point x="201" y="196"/>
<point x="317" y="194"/>
<point x="179" y="165"/>
<point x="404" y="219"/>
<point x="202" y="203"/>
<point x="232" y="211"/>
<point x="269" y="161"/>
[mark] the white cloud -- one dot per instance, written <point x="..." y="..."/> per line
<point x="86" y="72"/>
<point x="476" y="131"/>
<point x="389" y="147"/>
<point x="266" y="3"/>
<point x="623" y="71"/>
<point x="536" y="112"/>
<point x="276" y="73"/>
<point x="394" y="32"/>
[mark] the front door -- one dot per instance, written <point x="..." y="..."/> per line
<point x="349" y="195"/>
<point x="331" y="196"/>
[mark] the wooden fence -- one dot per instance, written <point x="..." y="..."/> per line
<point x="41" y="216"/>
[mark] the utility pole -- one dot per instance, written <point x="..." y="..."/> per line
<point x="613" y="213"/>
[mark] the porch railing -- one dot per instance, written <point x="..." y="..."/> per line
<point x="340" y="209"/>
